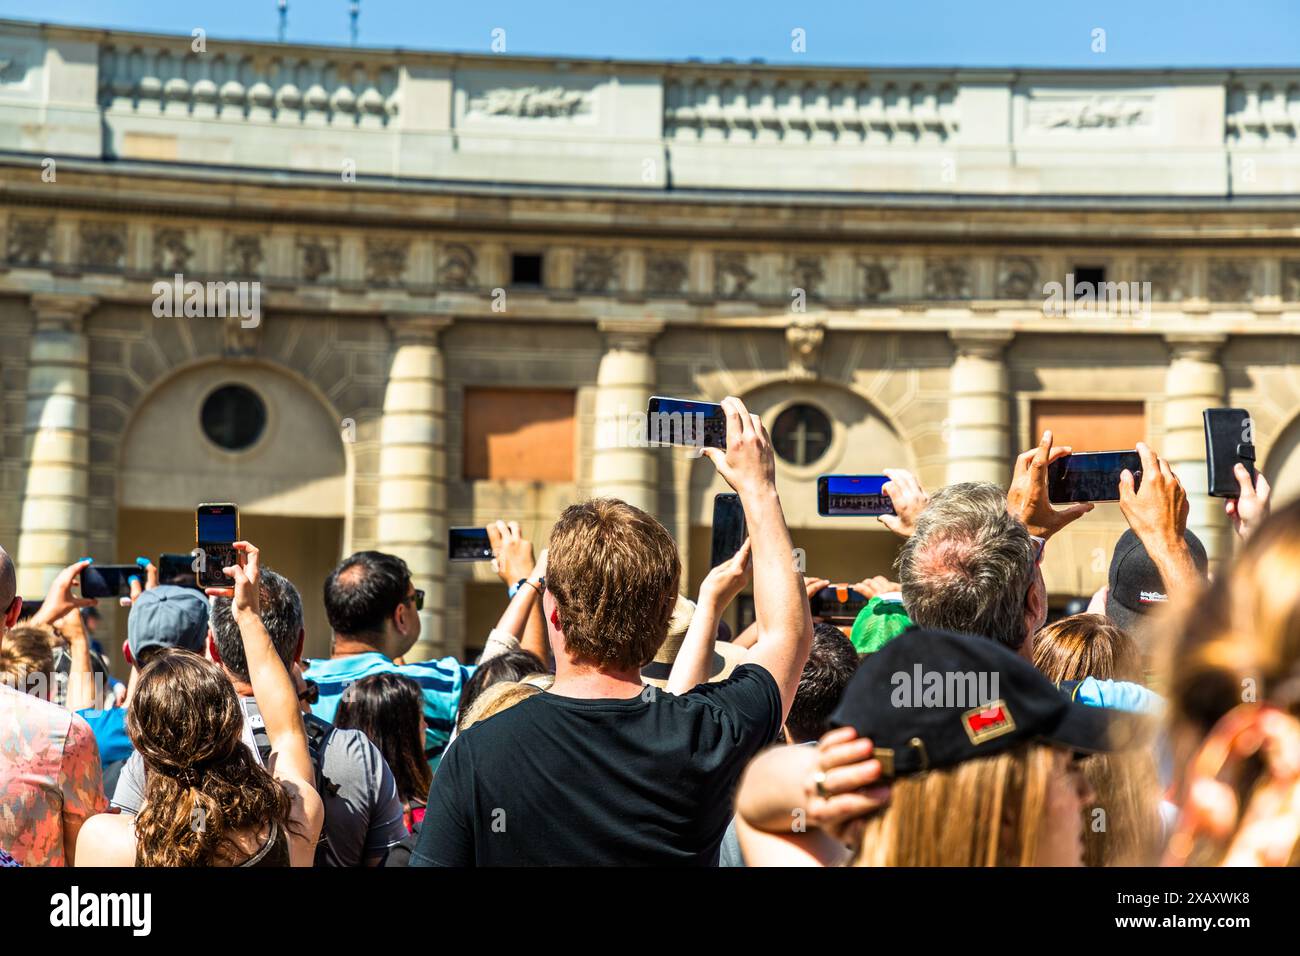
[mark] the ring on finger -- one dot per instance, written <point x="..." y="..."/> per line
<point x="819" y="781"/>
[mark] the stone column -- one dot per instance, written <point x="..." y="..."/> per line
<point x="979" y="415"/>
<point x="1193" y="383"/>
<point x="624" y="382"/>
<point x="55" y="525"/>
<point x="413" y="470"/>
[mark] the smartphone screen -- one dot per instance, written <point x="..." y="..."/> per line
<point x="1091" y="475"/>
<point x="177" y="569"/>
<point x="679" y="421"/>
<point x="843" y="496"/>
<point x="108" y="580"/>
<point x="837" y="603"/>
<point x="728" y="528"/>
<point x="216" y="529"/>
<point x="469" y="544"/>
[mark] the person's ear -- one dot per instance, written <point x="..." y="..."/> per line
<point x="213" y="654"/>
<point x="302" y="639"/>
<point x="126" y="653"/>
<point x="14" y="611"/>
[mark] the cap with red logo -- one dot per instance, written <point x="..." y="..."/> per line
<point x="935" y="699"/>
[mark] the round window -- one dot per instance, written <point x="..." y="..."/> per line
<point x="801" y="434"/>
<point x="233" y="417"/>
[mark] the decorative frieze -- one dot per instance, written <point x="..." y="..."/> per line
<point x="596" y="271"/>
<point x="103" y="244"/>
<point x="456" y="270"/>
<point x="316" y="258"/>
<point x="665" y="273"/>
<point x="731" y="275"/>
<point x="947" y="279"/>
<point x="31" y="241"/>
<point x="1018" y="278"/>
<point x="1230" y="280"/>
<point x="171" y="251"/>
<point x="244" y="254"/>
<point x="386" y="261"/>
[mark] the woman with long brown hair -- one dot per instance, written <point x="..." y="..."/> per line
<point x="1122" y="828"/>
<point x="389" y="709"/>
<point x="208" y="800"/>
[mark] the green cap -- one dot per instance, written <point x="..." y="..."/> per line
<point x="878" y="623"/>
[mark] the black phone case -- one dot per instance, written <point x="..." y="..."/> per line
<point x="1226" y="434"/>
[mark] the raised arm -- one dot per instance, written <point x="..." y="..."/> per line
<point x="1027" y="498"/>
<point x="719" y="589"/>
<point x="272" y="686"/>
<point x="1157" y="513"/>
<point x="81" y="673"/>
<point x="780" y="604"/>
<point x="792" y="801"/>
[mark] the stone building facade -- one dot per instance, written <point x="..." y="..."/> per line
<point x="447" y="246"/>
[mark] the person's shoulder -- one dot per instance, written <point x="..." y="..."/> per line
<point x="440" y="667"/>
<point x="746" y="677"/>
<point x="36" y="712"/>
<point x="107" y="839"/>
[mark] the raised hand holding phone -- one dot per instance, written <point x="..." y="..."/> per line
<point x="1028" y="497"/>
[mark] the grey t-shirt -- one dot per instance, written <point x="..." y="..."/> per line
<point x="363" y="816"/>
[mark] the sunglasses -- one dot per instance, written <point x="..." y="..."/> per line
<point x="1040" y="545"/>
<point x="418" y="598"/>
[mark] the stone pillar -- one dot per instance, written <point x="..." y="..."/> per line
<point x="413" y="470"/>
<point x="979" y="415"/>
<point x="1193" y="383"/>
<point x="55" y="524"/>
<point x="624" y="382"/>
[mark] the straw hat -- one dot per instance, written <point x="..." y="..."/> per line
<point x="726" y="656"/>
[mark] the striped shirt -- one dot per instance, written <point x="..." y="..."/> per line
<point x="440" y="682"/>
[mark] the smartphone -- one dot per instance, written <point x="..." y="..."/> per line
<point x="728" y="528"/>
<point x="1229" y="440"/>
<point x="679" y="421"/>
<point x="837" y="603"/>
<point x="216" y="529"/>
<point x="843" y="496"/>
<point x="108" y="580"/>
<point x="1091" y="475"/>
<point x="177" y="569"/>
<point x="469" y="544"/>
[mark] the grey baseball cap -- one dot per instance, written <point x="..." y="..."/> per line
<point x="167" y="616"/>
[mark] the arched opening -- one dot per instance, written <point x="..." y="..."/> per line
<point x="246" y="433"/>
<point x="1283" y="466"/>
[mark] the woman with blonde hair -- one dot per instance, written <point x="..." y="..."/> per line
<point x="1233" y="681"/>
<point x="208" y="800"/>
<point x="952" y="751"/>
<point x="1122" y="828"/>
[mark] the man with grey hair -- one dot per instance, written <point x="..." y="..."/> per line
<point x="973" y="562"/>
<point x="363" y="813"/>
<point x="971" y="566"/>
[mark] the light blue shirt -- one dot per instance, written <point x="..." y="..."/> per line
<point x="440" y="682"/>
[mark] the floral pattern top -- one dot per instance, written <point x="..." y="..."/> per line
<point x="50" y="777"/>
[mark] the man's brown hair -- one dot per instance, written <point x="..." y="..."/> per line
<point x="614" y="571"/>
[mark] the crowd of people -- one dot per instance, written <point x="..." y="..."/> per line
<point x="612" y="720"/>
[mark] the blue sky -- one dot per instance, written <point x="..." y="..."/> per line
<point x="1053" y="33"/>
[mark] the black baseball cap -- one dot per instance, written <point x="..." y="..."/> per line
<point x="1134" y="587"/>
<point x="934" y="699"/>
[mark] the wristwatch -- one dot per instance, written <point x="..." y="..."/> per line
<point x="514" y="588"/>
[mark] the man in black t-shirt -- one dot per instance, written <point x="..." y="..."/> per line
<point x="602" y="770"/>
